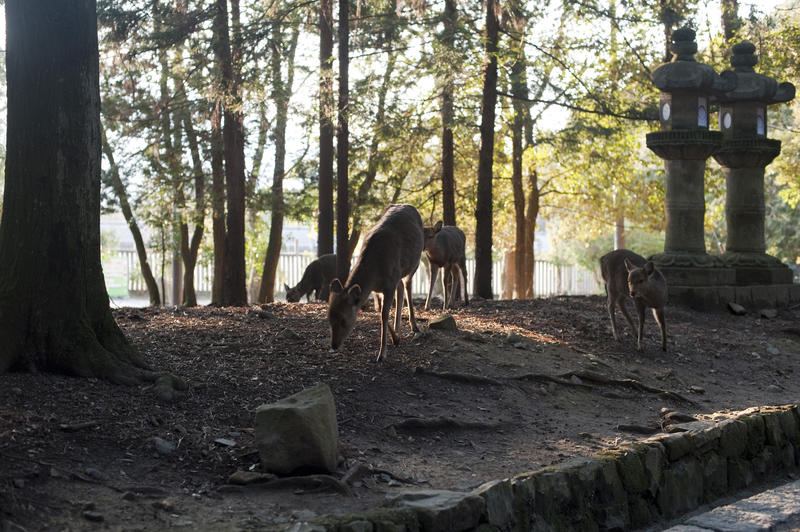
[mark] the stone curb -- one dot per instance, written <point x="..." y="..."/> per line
<point x="633" y="486"/>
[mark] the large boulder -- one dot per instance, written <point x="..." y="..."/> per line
<point x="298" y="432"/>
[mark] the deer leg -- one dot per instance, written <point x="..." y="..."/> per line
<point x="658" y="314"/>
<point x="411" y="318"/>
<point x="462" y="266"/>
<point x="398" y="313"/>
<point x="621" y="304"/>
<point x="458" y="283"/>
<point x="445" y="275"/>
<point x="640" y="312"/>
<point x="434" y="273"/>
<point x="386" y="305"/>
<point x="611" y="314"/>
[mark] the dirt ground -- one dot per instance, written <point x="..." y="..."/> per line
<point x="518" y="386"/>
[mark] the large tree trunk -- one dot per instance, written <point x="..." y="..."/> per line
<point x="326" y="131"/>
<point x="731" y="23"/>
<point x="530" y="230"/>
<point x="234" y="291"/>
<point x="252" y="209"/>
<point x="448" y="179"/>
<point x="483" y="208"/>
<point x="125" y="206"/>
<point x="54" y="309"/>
<point x="343" y="146"/>
<point x="281" y="93"/>
<point x="519" y="92"/>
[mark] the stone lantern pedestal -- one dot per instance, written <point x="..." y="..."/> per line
<point x="744" y="154"/>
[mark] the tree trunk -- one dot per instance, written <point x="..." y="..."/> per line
<point x="281" y="93"/>
<point x="54" y="309"/>
<point x="190" y="248"/>
<point x="326" y="131"/>
<point x="252" y="210"/>
<point x="731" y="23"/>
<point x="619" y="232"/>
<point x="218" y="203"/>
<point x="448" y="180"/>
<point x="483" y="209"/>
<point x="519" y="92"/>
<point x="127" y="212"/>
<point x="530" y="234"/>
<point x="372" y="157"/>
<point x="234" y="291"/>
<point x="343" y="146"/>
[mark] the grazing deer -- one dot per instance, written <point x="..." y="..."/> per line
<point x="444" y="247"/>
<point x="388" y="260"/>
<point x="627" y="274"/>
<point x="316" y="278"/>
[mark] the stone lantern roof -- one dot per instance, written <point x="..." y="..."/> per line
<point x="752" y="86"/>
<point x="684" y="73"/>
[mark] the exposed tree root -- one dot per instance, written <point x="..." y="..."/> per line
<point x="308" y="483"/>
<point x="629" y="383"/>
<point x="637" y="429"/>
<point x="458" y="377"/>
<point x="439" y="423"/>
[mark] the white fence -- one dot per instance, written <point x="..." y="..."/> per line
<point x="550" y="279"/>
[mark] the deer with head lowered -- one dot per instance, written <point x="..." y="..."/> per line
<point x="627" y="274"/>
<point x="316" y="278"/>
<point x="444" y="247"/>
<point x="388" y="260"/>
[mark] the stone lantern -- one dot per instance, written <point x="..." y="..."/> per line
<point x="685" y="142"/>
<point x="744" y="154"/>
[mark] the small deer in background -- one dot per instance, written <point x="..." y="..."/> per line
<point x="316" y="278"/>
<point x="627" y="274"/>
<point x="389" y="258"/>
<point x="445" y="248"/>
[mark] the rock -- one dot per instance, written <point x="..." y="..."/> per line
<point x="298" y="431"/>
<point x="736" y="309"/>
<point x="95" y="517"/>
<point x="513" y="338"/>
<point x="95" y="473"/>
<point x="163" y="446"/>
<point x="773" y="388"/>
<point x="443" y="322"/>
<point x="772" y="350"/>
<point x="442" y="511"/>
<point x="288" y="334"/>
<point x="768" y="313"/>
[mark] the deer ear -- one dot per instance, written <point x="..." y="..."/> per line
<point x="649" y="268"/>
<point x="286" y="287"/>
<point x="437" y="227"/>
<point x="336" y="287"/>
<point x="354" y="293"/>
<point x="629" y="266"/>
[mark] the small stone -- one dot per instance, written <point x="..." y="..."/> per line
<point x="95" y="517"/>
<point x="95" y="473"/>
<point x="443" y="322"/>
<point x="244" y="478"/>
<point x="163" y="446"/>
<point x="575" y="380"/>
<point x="303" y="514"/>
<point x="164" y="504"/>
<point x="129" y="496"/>
<point x="19" y="483"/>
<point x="736" y="309"/>
<point x="773" y="388"/>
<point x="227" y="442"/>
<point x="772" y="350"/>
<point x="697" y="389"/>
<point x="288" y="334"/>
<point x="768" y="313"/>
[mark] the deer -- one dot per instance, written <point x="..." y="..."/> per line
<point x="316" y="278"/>
<point x="627" y="274"/>
<point x="387" y="263"/>
<point x="445" y="248"/>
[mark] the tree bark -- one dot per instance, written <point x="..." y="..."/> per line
<point x="731" y="23"/>
<point x="448" y="179"/>
<point x="483" y="210"/>
<point x="218" y="203"/>
<point x="519" y="92"/>
<point x="530" y="233"/>
<point x="343" y="146"/>
<point x="124" y="204"/>
<point x="281" y="93"/>
<point x="191" y="247"/>
<point x="326" y="130"/>
<point x="54" y="309"/>
<point x="234" y="291"/>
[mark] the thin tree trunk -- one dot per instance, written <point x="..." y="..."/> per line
<point x="190" y="248"/>
<point x="519" y="92"/>
<point x="619" y="232"/>
<point x="483" y="209"/>
<point x="281" y="93"/>
<point x="372" y="156"/>
<point x="530" y="233"/>
<point x="343" y="145"/>
<point x="218" y="203"/>
<point x="449" y="21"/>
<point x="326" y="130"/>
<point x="127" y="212"/>
<point x="54" y="309"/>
<point x="252" y="213"/>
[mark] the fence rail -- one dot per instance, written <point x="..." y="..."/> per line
<point x="550" y="279"/>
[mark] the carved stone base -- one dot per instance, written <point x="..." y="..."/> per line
<point x="757" y="269"/>
<point x="693" y="269"/>
<point x="753" y="298"/>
